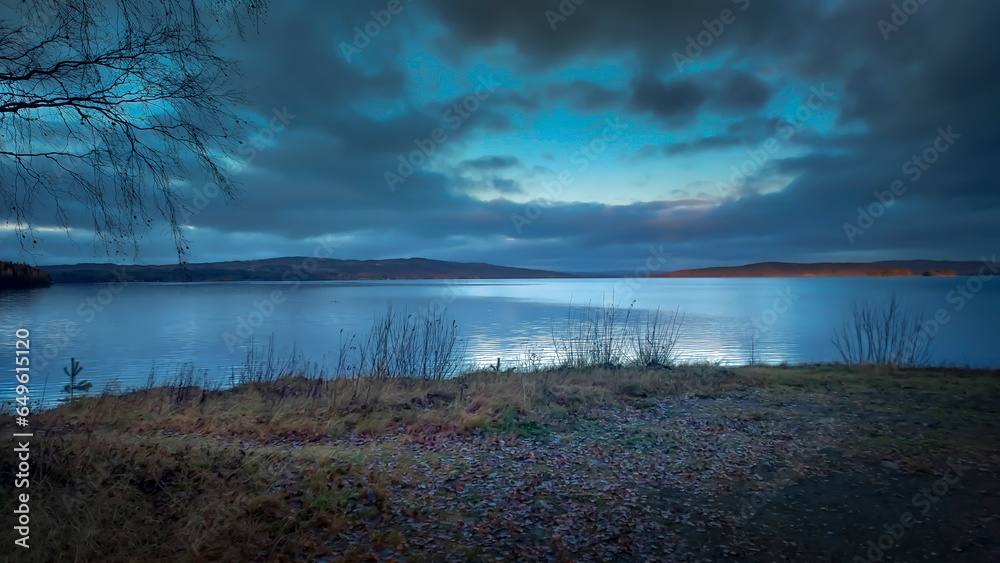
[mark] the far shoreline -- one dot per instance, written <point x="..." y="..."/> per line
<point x="299" y="269"/>
<point x="526" y="280"/>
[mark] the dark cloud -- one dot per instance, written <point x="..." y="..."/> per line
<point x="585" y="96"/>
<point x="681" y="98"/>
<point x="506" y="186"/>
<point x="324" y="174"/>
<point x="697" y="146"/>
<point x="650" y="28"/>
<point x="491" y="163"/>
<point x="744" y="91"/>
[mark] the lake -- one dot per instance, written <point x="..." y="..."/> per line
<point x="119" y="332"/>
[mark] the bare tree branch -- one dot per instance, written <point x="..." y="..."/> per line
<point x="108" y="107"/>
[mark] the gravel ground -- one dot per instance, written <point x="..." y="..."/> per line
<point x="696" y="479"/>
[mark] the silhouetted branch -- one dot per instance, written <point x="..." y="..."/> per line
<point x="110" y="108"/>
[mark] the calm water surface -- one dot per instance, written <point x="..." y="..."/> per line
<point x="119" y="337"/>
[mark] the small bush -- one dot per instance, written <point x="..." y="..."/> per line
<point x="612" y="337"/>
<point x="656" y="339"/>
<point x="404" y="345"/>
<point x="882" y="334"/>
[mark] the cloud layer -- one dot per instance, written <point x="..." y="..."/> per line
<point x="753" y="130"/>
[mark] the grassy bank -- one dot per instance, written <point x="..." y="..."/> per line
<point x="760" y="463"/>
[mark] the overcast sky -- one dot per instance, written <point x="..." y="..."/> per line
<point x="525" y="134"/>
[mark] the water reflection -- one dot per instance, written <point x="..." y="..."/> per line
<point x="173" y="324"/>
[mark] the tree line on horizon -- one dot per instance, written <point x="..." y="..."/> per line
<point x="19" y="275"/>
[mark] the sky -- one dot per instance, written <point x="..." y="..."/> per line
<point x="590" y="135"/>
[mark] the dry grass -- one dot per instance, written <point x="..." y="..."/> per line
<point x="160" y="474"/>
<point x="314" y="407"/>
<point x="106" y="496"/>
<point x="167" y="474"/>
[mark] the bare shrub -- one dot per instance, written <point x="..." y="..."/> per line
<point x="593" y="336"/>
<point x="403" y="345"/>
<point x="656" y="339"/>
<point x="881" y="334"/>
<point x="266" y="364"/>
<point x="612" y="336"/>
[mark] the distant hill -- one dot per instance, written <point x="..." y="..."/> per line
<point x="292" y="269"/>
<point x="937" y="267"/>
<point x="22" y="276"/>
<point x="276" y="269"/>
<point x="834" y="269"/>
